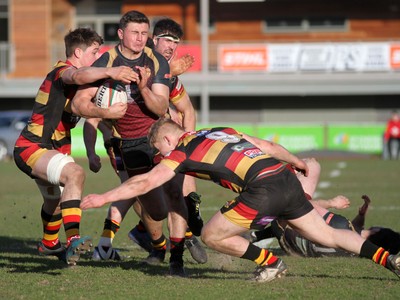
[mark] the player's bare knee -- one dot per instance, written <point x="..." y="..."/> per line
<point x="208" y="237"/>
<point x="74" y="174"/>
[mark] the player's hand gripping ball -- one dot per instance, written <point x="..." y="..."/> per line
<point x="109" y="93"/>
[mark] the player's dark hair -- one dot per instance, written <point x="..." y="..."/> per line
<point x="133" y="16"/>
<point x="167" y="26"/>
<point x="80" y="38"/>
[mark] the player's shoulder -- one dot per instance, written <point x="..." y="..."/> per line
<point x="154" y="55"/>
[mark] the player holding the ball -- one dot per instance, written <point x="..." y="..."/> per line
<point x="148" y="99"/>
<point x="43" y="149"/>
<point x="166" y="37"/>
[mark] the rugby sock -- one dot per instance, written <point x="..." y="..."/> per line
<point x="110" y="229"/>
<point x="71" y="214"/>
<point x="188" y="233"/>
<point x="260" y="256"/>
<point x="51" y="227"/>
<point x="374" y="252"/>
<point x="160" y="244"/>
<point x="176" y="249"/>
<point x="260" y="235"/>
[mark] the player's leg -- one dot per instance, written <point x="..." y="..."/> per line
<point x="223" y="234"/>
<point x="177" y="225"/>
<point x="51" y="219"/>
<point x="192" y="199"/>
<point x="115" y="215"/>
<point x="154" y="211"/>
<point x="310" y="182"/>
<point x="139" y="234"/>
<point x="60" y="169"/>
<point x="359" y="220"/>
<point x="313" y="227"/>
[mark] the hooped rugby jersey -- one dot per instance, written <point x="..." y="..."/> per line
<point x="138" y="118"/>
<point x="52" y="118"/>
<point x="223" y="156"/>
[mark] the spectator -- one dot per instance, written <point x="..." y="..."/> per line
<point x="391" y="137"/>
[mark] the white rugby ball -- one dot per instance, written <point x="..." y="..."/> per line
<point x="109" y="93"/>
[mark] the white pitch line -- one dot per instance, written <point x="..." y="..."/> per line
<point x="324" y="184"/>
<point x="334" y="173"/>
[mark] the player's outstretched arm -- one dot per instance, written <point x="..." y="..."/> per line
<point x="133" y="187"/>
<point x="279" y="152"/>
<point x="338" y="202"/>
<point x="85" y="75"/>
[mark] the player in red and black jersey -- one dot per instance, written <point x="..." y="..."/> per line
<point x="295" y="244"/>
<point x="267" y="190"/>
<point x="44" y="147"/>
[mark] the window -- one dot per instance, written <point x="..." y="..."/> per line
<point x="312" y="24"/>
<point x="105" y="25"/>
<point x="4" y="21"/>
<point x="331" y="23"/>
<point x="110" y="32"/>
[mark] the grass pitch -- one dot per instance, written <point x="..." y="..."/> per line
<point x="25" y="275"/>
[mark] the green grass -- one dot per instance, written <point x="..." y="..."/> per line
<point x="25" y="275"/>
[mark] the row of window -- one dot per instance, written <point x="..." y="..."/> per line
<point x="107" y="26"/>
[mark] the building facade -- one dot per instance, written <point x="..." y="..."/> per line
<point x="259" y="62"/>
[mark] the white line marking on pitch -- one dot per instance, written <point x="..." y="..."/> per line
<point x="334" y="173"/>
<point x="324" y="184"/>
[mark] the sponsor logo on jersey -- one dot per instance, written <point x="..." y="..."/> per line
<point x="252" y="153"/>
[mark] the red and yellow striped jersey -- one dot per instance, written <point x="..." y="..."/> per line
<point x="223" y="156"/>
<point x="52" y="119"/>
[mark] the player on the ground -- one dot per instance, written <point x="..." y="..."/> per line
<point x="267" y="190"/>
<point x="43" y="149"/>
<point x="295" y="244"/>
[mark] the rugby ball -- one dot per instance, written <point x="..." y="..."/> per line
<point x="109" y="93"/>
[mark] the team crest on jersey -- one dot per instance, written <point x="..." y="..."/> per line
<point x="223" y="137"/>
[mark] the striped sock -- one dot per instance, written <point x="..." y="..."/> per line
<point x="188" y="233"/>
<point x="160" y="244"/>
<point x="51" y="228"/>
<point x="375" y="253"/>
<point x="260" y="256"/>
<point x="110" y="229"/>
<point x="71" y="214"/>
<point x="176" y="249"/>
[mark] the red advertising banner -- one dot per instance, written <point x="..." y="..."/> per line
<point x="395" y="56"/>
<point x="242" y="58"/>
<point x="195" y="51"/>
